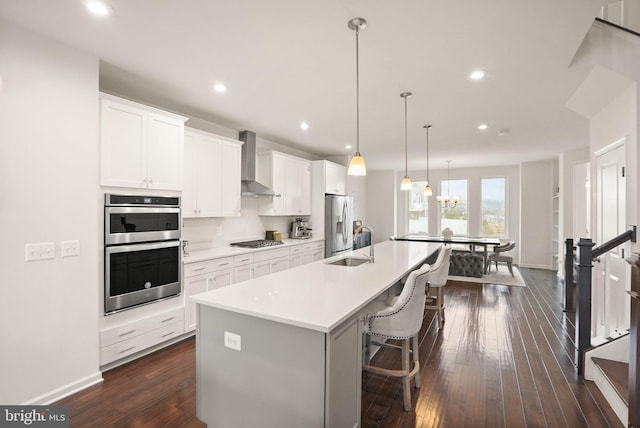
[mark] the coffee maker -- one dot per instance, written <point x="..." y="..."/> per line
<point x="300" y="229"/>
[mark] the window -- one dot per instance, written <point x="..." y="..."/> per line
<point x="493" y="206"/>
<point x="455" y="218"/>
<point x="418" y="208"/>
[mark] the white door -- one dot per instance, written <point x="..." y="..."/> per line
<point x="611" y="309"/>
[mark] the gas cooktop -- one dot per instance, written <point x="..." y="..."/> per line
<point x="258" y="243"/>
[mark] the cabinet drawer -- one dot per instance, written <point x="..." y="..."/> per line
<point x="313" y="246"/>
<point x="270" y="254"/>
<point x="142" y="326"/>
<point x="296" y="249"/>
<point x="207" y="266"/>
<point x="139" y="343"/>
<point x="242" y="260"/>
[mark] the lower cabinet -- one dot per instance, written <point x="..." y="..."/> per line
<point x="312" y="252"/>
<point x="130" y="338"/>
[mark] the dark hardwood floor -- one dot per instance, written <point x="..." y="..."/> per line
<point x="503" y="359"/>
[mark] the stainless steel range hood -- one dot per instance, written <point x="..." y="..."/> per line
<point x="250" y="187"/>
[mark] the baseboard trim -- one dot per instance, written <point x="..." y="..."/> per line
<point x="66" y="390"/>
<point x="545" y="267"/>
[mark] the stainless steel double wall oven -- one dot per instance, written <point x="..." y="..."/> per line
<point x="142" y="250"/>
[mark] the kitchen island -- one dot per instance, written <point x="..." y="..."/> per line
<point x="285" y="350"/>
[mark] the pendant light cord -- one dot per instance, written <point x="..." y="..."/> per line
<point x="406" y="169"/>
<point x="427" y="126"/>
<point x="357" y="95"/>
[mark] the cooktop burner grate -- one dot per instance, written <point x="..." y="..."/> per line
<point x="258" y="243"/>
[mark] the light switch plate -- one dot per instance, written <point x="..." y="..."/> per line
<point x="39" y="251"/>
<point x="70" y="248"/>
<point x="233" y="341"/>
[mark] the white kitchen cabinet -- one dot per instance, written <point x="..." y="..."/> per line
<point x="289" y="176"/>
<point x="242" y="268"/>
<point x="335" y="178"/>
<point x="200" y="277"/>
<point x="141" y="147"/>
<point x="295" y="256"/>
<point x="211" y="175"/>
<point x="312" y="252"/>
<point x="129" y="338"/>
<point x="271" y="261"/>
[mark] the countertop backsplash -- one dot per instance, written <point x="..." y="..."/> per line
<point x="206" y="233"/>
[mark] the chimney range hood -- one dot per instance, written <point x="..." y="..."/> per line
<point x="249" y="186"/>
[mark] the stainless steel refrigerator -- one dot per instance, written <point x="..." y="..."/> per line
<point x="338" y="224"/>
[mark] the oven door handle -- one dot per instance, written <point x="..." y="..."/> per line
<point x="141" y="247"/>
<point x="141" y="210"/>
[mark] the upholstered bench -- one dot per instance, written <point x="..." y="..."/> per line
<point x="466" y="264"/>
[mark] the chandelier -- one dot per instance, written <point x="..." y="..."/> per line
<point x="445" y="200"/>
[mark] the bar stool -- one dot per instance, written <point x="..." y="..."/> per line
<point x="400" y="321"/>
<point x="438" y="279"/>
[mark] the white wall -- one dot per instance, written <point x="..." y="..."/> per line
<point x="536" y="199"/>
<point x="48" y="193"/>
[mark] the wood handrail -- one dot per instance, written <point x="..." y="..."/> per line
<point x="629" y="235"/>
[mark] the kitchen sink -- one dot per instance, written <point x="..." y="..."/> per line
<point x="349" y="261"/>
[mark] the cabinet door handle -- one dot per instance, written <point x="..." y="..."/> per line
<point x="168" y="319"/>
<point x="126" y="333"/>
<point x="223" y="264"/>
<point x="127" y="349"/>
<point x="199" y="269"/>
<point x="168" y="334"/>
<point x="151" y="181"/>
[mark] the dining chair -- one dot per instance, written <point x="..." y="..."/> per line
<point x="496" y="256"/>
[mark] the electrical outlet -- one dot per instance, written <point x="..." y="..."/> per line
<point x="70" y="248"/>
<point x="219" y="231"/>
<point x="39" y="251"/>
<point x="233" y="341"/>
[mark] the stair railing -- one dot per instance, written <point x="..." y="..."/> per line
<point x="585" y="257"/>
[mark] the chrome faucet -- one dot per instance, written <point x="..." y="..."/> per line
<point x="371" y="258"/>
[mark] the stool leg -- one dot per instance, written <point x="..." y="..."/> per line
<point x="510" y="268"/>
<point x="416" y="360"/>
<point x="406" y="368"/>
<point x="440" y="307"/>
<point x="367" y="349"/>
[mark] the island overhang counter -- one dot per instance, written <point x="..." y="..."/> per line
<point x="285" y="349"/>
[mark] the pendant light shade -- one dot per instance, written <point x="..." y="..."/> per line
<point x="427" y="189"/>
<point x="357" y="166"/>
<point x="406" y="181"/>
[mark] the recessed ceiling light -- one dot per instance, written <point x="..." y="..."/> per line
<point x="304" y="126"/>
<point x="348" y="147"/>
<point x="483" y="126"/>
<point x="220" y="88"/>
<point x="503" y="132"/>
<point x="98" y="7"/>
<point x="477" y="74"/>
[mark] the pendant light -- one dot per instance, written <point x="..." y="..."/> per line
<point x="445" y="200"/>
<point x="427" y="189"/>
<point x="406" y="181"/>
<point x="357" y="166"/>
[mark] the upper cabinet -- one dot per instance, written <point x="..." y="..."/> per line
<point x="142" y="146"/>
<point x="288" y="176"/>
<point x="335" y="178"/>
<point x="211" y="175"/>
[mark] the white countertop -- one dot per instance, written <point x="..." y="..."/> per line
<point x="214" y="253"/>
<point x="320" y="296"/>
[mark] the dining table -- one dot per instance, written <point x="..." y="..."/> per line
<point x="472" y="242"/>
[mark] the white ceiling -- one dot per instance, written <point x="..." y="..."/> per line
<point x="285" y="61"/>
